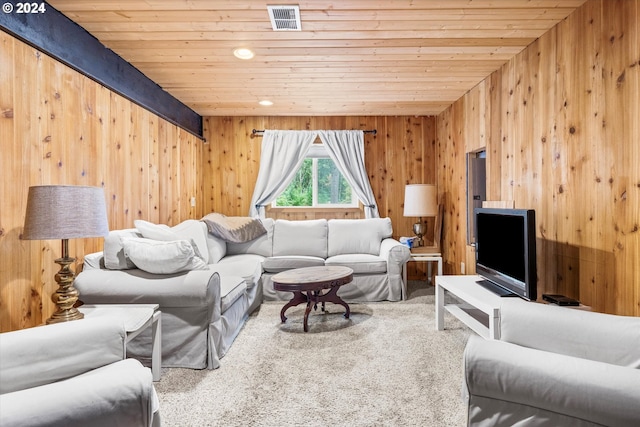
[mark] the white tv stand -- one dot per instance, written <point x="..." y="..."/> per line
<point x="477" y="300"/>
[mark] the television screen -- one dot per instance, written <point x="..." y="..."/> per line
<point x="506" y="251"/>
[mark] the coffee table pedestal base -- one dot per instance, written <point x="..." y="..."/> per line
<point x="313" y="285"/>
<point x="312" y="298"/>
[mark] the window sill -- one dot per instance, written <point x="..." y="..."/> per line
<point x="313" y="210"/>
<point x="306" y="213"/>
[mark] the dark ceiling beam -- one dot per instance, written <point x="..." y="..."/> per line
<point x="59" y="37"/>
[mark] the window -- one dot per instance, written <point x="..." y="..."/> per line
<point x="317" y="184"/>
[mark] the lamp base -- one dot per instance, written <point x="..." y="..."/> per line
<point x="419" y="229"/>
<point x="66" y="296"/>
<point x="65" y="316"/>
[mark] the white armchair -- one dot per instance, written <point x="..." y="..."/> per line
<point x="73" y="374"/>
<point x="554" y="366"/>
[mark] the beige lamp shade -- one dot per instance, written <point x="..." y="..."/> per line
<point x="65" y="212"/>
<point x="420" y="200"/>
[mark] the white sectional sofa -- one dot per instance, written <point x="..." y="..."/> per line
<point x="206" y="287"/>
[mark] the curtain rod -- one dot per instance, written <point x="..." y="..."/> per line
<point x="257" y="132"/>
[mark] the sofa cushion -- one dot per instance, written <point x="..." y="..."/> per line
<point x="231" y="288"/>
<point x="307" y="238"/>
<point x="216" y="247"/>
<point x="357" y="236"/>
<point x="162" y="257"/>
<point x="247" y="266"/>
<point x="263" y="245"/>
<point x="114" y="256"/>
<point x="276" y="264"/>
<point x="359" y="263"/>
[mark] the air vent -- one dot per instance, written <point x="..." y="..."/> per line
<point x="284" y="18"/>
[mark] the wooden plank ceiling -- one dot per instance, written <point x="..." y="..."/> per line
<point x="352" y="57"/>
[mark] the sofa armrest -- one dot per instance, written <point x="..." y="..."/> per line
<point x="190" y="289"/>
<point x="596" y="336"/>
<point x="44" y="354"/>
<point x="501" y="375"/>
<point x="119" y="394"/>
<point x="395" y="253"/>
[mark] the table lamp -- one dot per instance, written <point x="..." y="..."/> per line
<point x="420" y="200"/>
<point x="65" y="212"/>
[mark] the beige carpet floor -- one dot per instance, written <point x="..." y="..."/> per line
<point x="385" y="366"/>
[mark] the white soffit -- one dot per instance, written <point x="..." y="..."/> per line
<point x="285" y="17"/>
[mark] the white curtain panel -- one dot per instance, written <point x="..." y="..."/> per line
<point x="282" y="155"/>
<point x="346" y="148"/>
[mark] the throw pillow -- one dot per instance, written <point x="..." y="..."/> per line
<point x="191" y="230"/>
<point x="162" y="257"/>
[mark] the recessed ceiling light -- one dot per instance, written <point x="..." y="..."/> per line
<point x="265" y="103"/>
<point x="243" y="53"/>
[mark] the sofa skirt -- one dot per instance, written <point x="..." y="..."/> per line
<point x="363" y="288"/>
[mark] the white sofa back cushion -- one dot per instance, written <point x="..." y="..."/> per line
<point x="358" y="236"/>
<point x="306" y="238"/>
<point x="217" y="248"/>
<point x="263" y="245"/>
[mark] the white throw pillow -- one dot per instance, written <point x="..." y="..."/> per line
<point x="192" y="230"/>
<point x="162" y="257"/>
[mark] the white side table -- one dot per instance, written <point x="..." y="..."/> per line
<point x="475" y="298"/>
<point x="136" y="318"/>
<point x="420" y="254"/>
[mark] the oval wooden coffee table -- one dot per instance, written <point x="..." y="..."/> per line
<point x="313" y="285"/>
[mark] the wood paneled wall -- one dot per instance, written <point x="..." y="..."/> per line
<point x="402" y="152"/>
<point x="560" y="124"/>
<point x="59" y="127"/>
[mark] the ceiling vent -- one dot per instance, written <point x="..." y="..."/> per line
<point x="285" y="18"/>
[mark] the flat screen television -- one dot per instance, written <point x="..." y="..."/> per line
<point x="506" y="251"/>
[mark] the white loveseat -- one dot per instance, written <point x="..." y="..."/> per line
<point x="204" y="307"/>
<point x="554" y="366"/>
